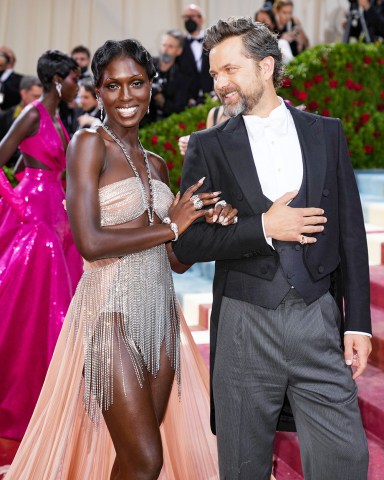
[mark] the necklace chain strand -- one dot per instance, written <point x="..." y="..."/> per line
<point x="149" y="202"/>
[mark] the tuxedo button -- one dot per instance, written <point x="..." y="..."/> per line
<point x="290" y="275"/>
<point x="263" y="270"/>
<point x="297" y="247"/>
<point x="320" y="269"/>
<point x="239" y="196"/>
<point x="325" y="192"/>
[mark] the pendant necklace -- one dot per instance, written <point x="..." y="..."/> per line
<point x="148" y="201"/>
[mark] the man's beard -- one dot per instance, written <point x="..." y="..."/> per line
<point x="244" y="106"/>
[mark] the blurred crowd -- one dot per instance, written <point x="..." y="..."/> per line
<point x="183" y="77"/>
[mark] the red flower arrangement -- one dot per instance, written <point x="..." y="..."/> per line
<point x="344" y="80"/>
<point x="162" y="137"/>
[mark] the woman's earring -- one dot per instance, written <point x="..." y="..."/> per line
<point x="150" y="97"/>
<point x="100" y="107"/>
<point x="58" y="88"/>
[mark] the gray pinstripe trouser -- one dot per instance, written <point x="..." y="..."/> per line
<point x="263" y="353"/>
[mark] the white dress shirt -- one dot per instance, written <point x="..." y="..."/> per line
<point x="197" y="49"/>
<point x="277" y="155"/>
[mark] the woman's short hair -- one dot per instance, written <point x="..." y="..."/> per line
<point x="121" y="48"/>
<point x="54" y="62"/>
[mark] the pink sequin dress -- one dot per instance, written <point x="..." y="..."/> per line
<point x="39" y="271"/>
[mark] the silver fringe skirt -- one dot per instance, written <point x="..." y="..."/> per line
<point x="126" y="302"/>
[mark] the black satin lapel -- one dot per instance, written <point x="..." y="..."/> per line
<point x="237" y="149"/>
<point x="311" y="137"/>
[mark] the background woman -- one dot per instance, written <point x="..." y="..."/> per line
<point x="120" y="341"/>
<point x="88" y="114"/>
<point x="39" y="263"/>
<point x="290" y="27"/>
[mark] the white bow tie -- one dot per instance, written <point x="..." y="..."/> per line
<point x="278" y="124"/>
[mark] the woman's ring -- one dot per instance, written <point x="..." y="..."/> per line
<point x="222" y="203"/>
<point x="197" y="202"/>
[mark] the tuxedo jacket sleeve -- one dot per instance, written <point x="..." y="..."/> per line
<point x="223" y="155"/>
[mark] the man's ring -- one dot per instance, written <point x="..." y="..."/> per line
<point x="235" y="219"/>
<point x="222" y="203"/>
<point x="197" y="202"/>
<point x="303" y="240"/>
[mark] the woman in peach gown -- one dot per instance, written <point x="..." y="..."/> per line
<point x="111" y="376"/>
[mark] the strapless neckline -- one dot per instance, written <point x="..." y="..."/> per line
<point x="129" y="180"/>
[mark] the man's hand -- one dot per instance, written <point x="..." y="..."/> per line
<point x="356" y="352"/>
<point x="283" y="222"/>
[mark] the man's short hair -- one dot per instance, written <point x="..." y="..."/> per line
<point x="81" y="49"/>
<point x="259" y="42"/>
<point x="177" y="35"/>
<point x="29" y="81"/>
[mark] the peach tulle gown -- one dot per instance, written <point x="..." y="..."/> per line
<point x="61" y="443"/>
<point x="62" y="440"/>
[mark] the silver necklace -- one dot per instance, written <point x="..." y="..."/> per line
<point x="149" y="202"/>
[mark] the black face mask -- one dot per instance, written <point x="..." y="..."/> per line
<point x="190" y="25"/>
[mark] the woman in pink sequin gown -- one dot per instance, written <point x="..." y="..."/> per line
<point x="39" y="263"/>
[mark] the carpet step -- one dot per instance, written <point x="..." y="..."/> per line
<point x="375" y="241"/>
<point x="377" y="356"/>
<point x="287" y="449"/>
<point x="377" y="285"/>
<point x="371" y="396"/>
<point x="282" y="471"/>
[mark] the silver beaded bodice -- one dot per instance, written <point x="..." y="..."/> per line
<point x="123" y="201"/>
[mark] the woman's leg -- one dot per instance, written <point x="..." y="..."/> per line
<point x="133" y="418"/>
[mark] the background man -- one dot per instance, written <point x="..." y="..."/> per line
<point x="9" y="80"/>
<point x="274" y="325"/>
<point x="30" y="90"/>
<point x="170" y="86"/>
<point x="82" y="57"/>
<point x="192" y="61"/>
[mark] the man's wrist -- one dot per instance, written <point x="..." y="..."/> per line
<point x="353" y="332"/>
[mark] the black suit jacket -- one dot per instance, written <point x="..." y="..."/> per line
<point x="223" y="155"/>
<point x="11" y="90"/>
<point x="197" y="80"/>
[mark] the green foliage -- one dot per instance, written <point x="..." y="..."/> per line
<point x="162" y="137"/>
<point x="344" y="80"/>
<point x="9" y="174"/>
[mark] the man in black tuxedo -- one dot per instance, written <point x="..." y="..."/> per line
<point x="275" y="328"/>
<point x="193" y="62"/>
<point x="9" y="83"/>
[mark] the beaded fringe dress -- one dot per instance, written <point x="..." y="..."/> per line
<point x="132" y="299"/>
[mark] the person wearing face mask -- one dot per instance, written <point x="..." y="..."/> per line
<point x="170" y="87"/>
<point x="193" y="62"/>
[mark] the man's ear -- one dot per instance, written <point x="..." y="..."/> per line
<point x="267" y="66"/>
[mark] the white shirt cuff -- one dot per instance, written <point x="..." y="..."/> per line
<point x="267" y="239"/>
<point x="358" y="333"/>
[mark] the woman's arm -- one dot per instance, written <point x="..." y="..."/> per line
<point x="86" y="160"/>
<point x="26" y="125"/>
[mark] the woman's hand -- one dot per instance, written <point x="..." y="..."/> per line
<point x="189" y="207"/>
<point x="222" y="213"/>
